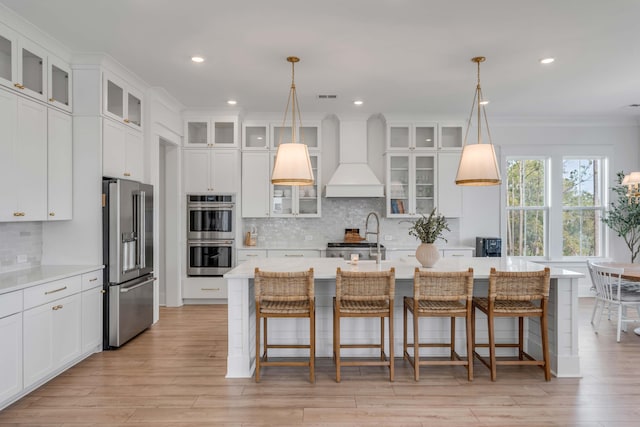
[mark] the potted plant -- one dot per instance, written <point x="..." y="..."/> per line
<point x="428" y="229"/>
<point x="623" y="217"/>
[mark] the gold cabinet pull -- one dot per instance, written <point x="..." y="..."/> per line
<point x="52" y="100"/>
<point x="16" y="214"/>
<point x="56" y="307"/>
<point x="93" y="280"/>
<point x="127" y="174"/>
<point x="55" y="290"/>
<point x="127" y="121"/>
<point x="52" y="214"/>
<point x="209" y="289"/>
<point x="18" y="85"/>
<point x="103" y="291"/>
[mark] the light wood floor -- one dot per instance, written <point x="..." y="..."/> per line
<point x="173" y="375"/>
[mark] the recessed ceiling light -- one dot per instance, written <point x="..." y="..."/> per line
<point x="197" y="59"/>
<point x="232" y="102"/>
<point x="547" y="60"/>
<point x="358" y="102"/>
<point x="485" y="102"/>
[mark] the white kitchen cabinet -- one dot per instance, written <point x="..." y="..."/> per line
<point x="122" y="151"/>
<point x="412" y="136"/>
<point x="51" y="337"/>
<point x="249" y="254"/>
<point x="411" y="184"/>
<point x="59" y="83"/>
<point x="211" y="170"/>
<point x="59" y="166"/>
<point x="256" y="184"/>
<point x="11" y="348"/>
<point x="450" y="135"/>
<point x="408" y="254"/>
<point x="298" y="201"/>
<point x="23" y="158"/>
<point x="466" y="253"/>
<point x="213" y="132"/>
<point x="256" y="136"/>
<point x="121" y="101"/>
<point x="449" y="194"/>
<point x="294" y="253"/>
<point x="204" y="288"/>
<point x="308" y="132"/>
<point x="31" y="70"/>
<point x="92" y="298"/>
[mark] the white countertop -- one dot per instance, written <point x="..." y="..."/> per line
<point x="325" y="268"/>
<point x="20" y="279"/>
<point x="321" y="246"/>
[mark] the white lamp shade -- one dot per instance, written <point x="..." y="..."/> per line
<point x="292" y="165"/>
<point x="478" y="166"/>
<point x="632" y="178"/>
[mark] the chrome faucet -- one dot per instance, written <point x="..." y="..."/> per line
<point x="377" y="233"/>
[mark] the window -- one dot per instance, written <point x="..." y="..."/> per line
<point x="582" y="207"/>
<point x="554" y="203"/>
<point x="527" y="207"/>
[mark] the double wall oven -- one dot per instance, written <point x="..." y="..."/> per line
<point x="210" y="234"/>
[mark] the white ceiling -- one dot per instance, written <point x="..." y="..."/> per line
<point x="398" y="56"/>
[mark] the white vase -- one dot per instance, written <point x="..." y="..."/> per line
<point x="427" y="254"/>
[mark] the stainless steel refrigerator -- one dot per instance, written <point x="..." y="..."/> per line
<point x="127" y="221"/>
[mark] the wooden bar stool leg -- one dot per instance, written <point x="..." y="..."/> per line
<point x="452" y="346"/>
<point x="312" y="345"/>
<point x="257" y="347"/>
<point x="469" y="347"/>
<point x="404" y="335"/>
<point x="337" y="345"/>
<point x="265" y="356"/>
<point x="416" y="346"/>
<point x="382" y="355"/>
<point x="545" y="347"/>
<point x="492" y="346"/>
<point x="521" y="338"/>
<point x="391" y="345"/>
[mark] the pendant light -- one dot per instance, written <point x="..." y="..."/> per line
<point x="478" y="165"/>
<point x="292" y="165"/>
<point x="632" y="181"/>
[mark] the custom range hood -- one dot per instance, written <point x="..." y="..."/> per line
<point x="353" y="177"/>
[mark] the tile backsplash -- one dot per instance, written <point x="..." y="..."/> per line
<point x="20" y="245"/>
<point x="338" y="214"/>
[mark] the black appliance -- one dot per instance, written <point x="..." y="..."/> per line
<point x="488" y="247"/>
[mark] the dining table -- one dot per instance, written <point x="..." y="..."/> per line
<point x="631" y="272"/>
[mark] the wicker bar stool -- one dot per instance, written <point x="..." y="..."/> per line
<point x="364" y="294"/>
<point x="439" y="294"/>
<point x="282" y="295"/>
<point x="512" y="294"/>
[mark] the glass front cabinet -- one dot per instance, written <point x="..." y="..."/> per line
<point x="303" y="201"/>
<point x="211" y="132"/>
<point x="411" y="184"/>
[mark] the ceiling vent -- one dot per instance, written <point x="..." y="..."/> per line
<point x="327" y="96"/>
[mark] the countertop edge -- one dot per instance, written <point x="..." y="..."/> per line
<point x="17" y="280"/>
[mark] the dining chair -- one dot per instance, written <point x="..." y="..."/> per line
<point x="611" y="293"/>
<point x="284" y="295"/>
<point x="439" y="294"/>
<point x="514" y="294"/>
<point x="364" y="294"/>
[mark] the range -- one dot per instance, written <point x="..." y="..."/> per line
<point x="364" y="249"/>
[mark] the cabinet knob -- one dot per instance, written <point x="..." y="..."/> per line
<point x="103" y="291"/>
<point x="52" y="214"/>
<point x="127" y="121"/>
<point x="52" y="100"/>
<point x="16" y="214"/>
<point x="18" y="85"/>
<point x="127" y="174"/>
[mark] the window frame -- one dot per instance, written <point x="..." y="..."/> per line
<point x="554" y="155"/>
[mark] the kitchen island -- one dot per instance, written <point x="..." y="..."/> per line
<point x="563" y="311"/>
